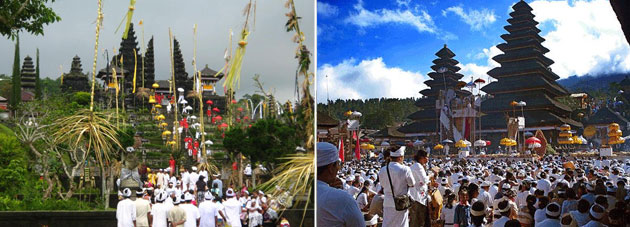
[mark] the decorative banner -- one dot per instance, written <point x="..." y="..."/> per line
<point x="341" y="153"/>
<point x="357" y="148"/>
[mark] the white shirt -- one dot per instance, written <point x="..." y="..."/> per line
<point x="594" y="224"/>
<point x="540" y="215"/>
<point x="544" y="185"/>
<point x="233" y="211"/>
<point x="581" y="218"/>
<point x="419" y="191"/>
<point x="521" y="198"/>
<point x="208" y="210"/>
<point x="353" y="191"/>
<point x="485" y="198"/>
<point x="336" y="208"/>
<point x="219" y="184"/>
<point x="126" y="213"/>
<point x="192" y="214"/>
<point x="549" y="222"/>
<point x="160" y="214"/>
<point x="448" y="215"/>
<point x="204" y="174"/>
<point x="500" y="222"/>
<point x="362" y="200"/>
<point x="192" y="179"/>
<point x="143" y="207"/>
<point x="402" y="180"/>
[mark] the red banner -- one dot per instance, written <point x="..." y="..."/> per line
<point x="341" y="156"/>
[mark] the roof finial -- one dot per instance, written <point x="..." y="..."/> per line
<point x="445" y="45"/>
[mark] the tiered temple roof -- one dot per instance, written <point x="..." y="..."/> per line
<point x="28" y="79"/>
<point x="443" y="77"/>
<point x="209" y="80"/>
<point x="75" y="80"/>
<point x="524" y="75"/>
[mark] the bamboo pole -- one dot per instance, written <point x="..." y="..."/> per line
<point x="174" y="90"/>
<point x="99" y="21"/>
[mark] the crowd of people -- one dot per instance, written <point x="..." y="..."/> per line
<point x="191" y="199"/>
<point x="553" y="191"/>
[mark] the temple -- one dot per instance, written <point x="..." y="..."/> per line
<point x="524" y="75"/>
<point x="444" y="77"/>
<point x="209" y="79"/>
<point x="75" y="80"/>
<point x="28" y="79"/>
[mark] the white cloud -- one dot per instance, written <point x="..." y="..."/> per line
<point x="592" y="43"/>
<point x="327" y="10"/>
<point x="477" y="19"/>
<point x="367" y="79"/>
<point x="363" y="18"/>
<point x="480" y="71"/>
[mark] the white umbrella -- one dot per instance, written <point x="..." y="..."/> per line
<point x="384" y="144"/>
<point x="467" y="143"/>
<point x="183" y="101"/>
<point x="357" y="114"/>
<point x="480" y="143"/>
<point x="208" y="142"/>
<point x="180" y="89"/>
<point x="193" y="117"/>
<point x="418" y="143"/>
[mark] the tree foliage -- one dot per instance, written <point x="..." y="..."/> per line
<point x="13" y="165"/>
<point x="265" y="142"/>
<point x="377" y="113"/>
<point x="16" y="94"/>
<point x="25" y="15"/>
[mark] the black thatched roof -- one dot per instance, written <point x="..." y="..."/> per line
<point x="622" y="9"/>
<point x="538" y="118"/>
<point x="388" y="132"/>
<point x="323" y="119"/>
<point x="606" y="116"/>
<point x="419" y="127"/>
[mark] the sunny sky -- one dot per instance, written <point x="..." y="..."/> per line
<point x="270" y="52"/>
<point x="373" y="48"/>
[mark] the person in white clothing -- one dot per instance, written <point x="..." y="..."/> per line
<point x="159" y="211"/>
<point x="209" y="212"/>
<point x="419" y="212"/>
<point x="232" y="208"/>
<point x="401" y="180"/>
<point x="143" y="210"/>
<point x="597" y="214"/>
<point x="553" y="216"/>
<point x="335" y="207"/>
<point x="126" y="210"/>
<point x="192" y="212"/>
<point x="544" y="184"/>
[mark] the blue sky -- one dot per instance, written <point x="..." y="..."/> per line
<point x="374" y="48"/>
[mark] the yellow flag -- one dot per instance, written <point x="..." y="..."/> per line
<point x="61" y="70"/>
<point x="135" y="66"/>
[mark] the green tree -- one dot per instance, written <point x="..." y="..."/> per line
<point x="16" y="94"/>
<point x="82" y="98"/>
<point x="29" y="16"/>
<point x="13" y="165"/>
<point x="38" y="85"/>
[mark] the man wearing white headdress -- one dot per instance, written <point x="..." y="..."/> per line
<point x="401" y="180"/>
<point x="335" y="207"/>
<point x="233" y="208"/>
<point x="159" y="211"/>
<point x="126" y="210"/>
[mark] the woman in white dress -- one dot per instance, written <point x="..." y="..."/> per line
<point x="448" y="211"/>
<point x="255" y="214"/>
